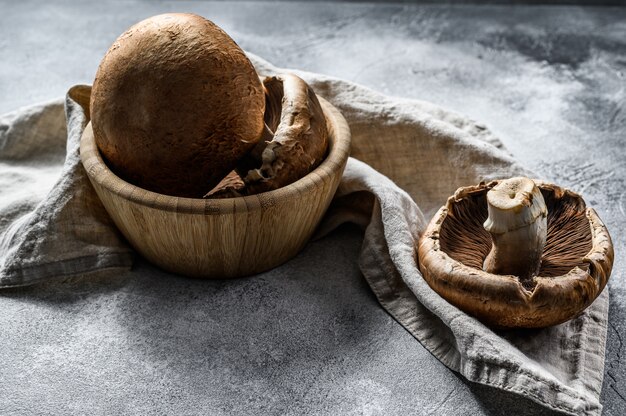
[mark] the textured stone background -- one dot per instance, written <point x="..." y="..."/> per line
<point x="550" y="81"/>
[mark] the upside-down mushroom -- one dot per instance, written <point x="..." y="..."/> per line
<point x="517" y="253"/>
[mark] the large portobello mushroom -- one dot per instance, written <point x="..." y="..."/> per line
<point x="175" y="104"/>
<point x="517" y="253"/>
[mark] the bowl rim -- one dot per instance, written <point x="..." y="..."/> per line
<point x="335" y="161"/>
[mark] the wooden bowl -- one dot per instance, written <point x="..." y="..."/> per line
<point x="220" y="238"/>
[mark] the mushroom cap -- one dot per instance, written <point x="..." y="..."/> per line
<point x="175" y="104"/>
<point x="575" y="265"/>
<point x="299" y="136"/>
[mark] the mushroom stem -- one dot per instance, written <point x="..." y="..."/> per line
<point x="517" y="223"/>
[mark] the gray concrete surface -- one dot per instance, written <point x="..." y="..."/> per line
<point x="548" y="80"/>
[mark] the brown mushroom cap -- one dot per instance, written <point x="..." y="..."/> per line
<point x="300" y="136"/>
<point x="575" y="266"/>
<point x="175" y="104"/>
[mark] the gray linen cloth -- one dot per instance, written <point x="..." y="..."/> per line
<point x="408" y="157"/>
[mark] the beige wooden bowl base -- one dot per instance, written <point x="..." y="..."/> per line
<point x="219" y="238"/>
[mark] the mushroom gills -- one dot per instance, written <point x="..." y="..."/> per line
<point x="575" y="264"/>
<point x="568" y="236"/>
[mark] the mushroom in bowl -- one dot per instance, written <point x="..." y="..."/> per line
<point x="208" y="170"/>
<point x="517" y="253"/>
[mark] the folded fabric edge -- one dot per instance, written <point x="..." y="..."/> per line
<point x="59" y="270"/>
<point x="490" y="374"/>
<point x="36" y="107"/>
<point x="395" y="296"/>
<point x="442" y="351"/>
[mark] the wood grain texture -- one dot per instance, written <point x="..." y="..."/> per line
<point x="221" y="238"/>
